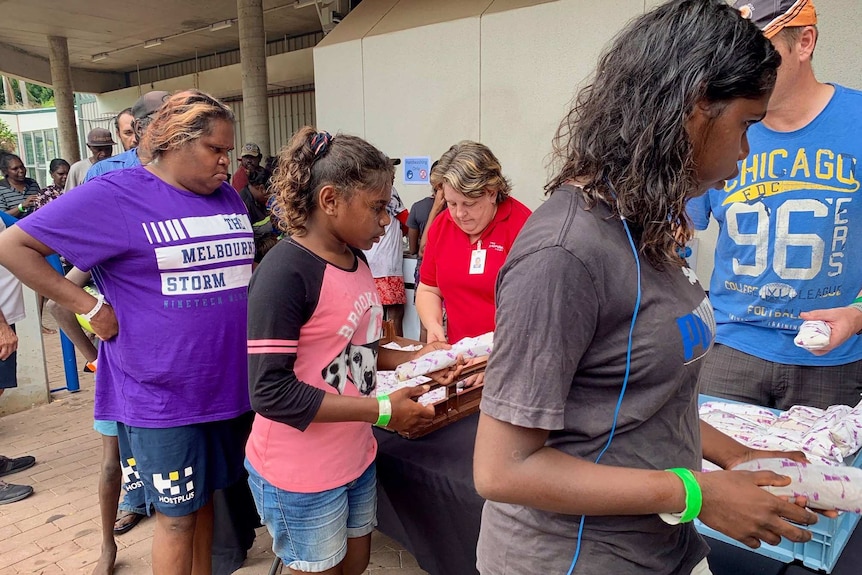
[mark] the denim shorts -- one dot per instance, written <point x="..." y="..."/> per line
<point x="310" y="530"/>
<point x="178" y="468"/>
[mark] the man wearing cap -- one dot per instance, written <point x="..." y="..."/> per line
<point x="790" y="226"/>
<point x="143" y="111"/>
<point x="249" y="161"/>
<point x="101" y="144"/>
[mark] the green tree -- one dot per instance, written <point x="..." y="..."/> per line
<point x="40" y="96"/>
<point x="44" y="96"/>
<point x="8" y="139"/>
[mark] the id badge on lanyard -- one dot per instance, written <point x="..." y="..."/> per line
<point x="477" y="260"/>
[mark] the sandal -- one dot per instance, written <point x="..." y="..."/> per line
<point x="126" y="520"/>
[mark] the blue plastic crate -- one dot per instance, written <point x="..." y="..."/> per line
<point x="828" y="536"/>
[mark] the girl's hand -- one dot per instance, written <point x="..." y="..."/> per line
<point x="429" y="347"/>
<point x="751" y="454"/>
<point x="446" y="375"/>
<point x="104" y="323"/>
<point x="797" y="456"/>
<point x="735" y="504"/>
<point x="407" y="413"/>
<point x="475" y="379"/>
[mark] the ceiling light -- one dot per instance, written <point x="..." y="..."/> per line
<point x="221" y="25"/>
<point x="153" y="43"/>
<point x="99" y="57"/>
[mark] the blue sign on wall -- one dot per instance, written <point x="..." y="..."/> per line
<point x="417" y="170"/>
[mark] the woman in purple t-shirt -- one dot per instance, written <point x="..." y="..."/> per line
<point x="170" y="247"/>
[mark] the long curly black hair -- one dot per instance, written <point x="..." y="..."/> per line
<point x="626" y="131"/>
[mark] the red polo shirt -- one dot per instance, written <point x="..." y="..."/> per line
<point x="239" y="179"/>
<point x="469" y="298"/>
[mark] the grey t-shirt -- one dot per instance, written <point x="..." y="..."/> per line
<point x="78" y="173"/>
<point x="419" y="214"/>
<point x="572" y="329"/>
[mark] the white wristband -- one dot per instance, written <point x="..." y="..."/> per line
<point x="100" y="301"/>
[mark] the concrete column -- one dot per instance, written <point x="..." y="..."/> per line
<point x="25" y="96"/>
<point x="252" y="51"/>
<point x="8" y="93"/>
<point x="64" y="99"/>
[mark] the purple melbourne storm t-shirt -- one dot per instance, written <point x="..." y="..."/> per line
<point x="175" y="266"/>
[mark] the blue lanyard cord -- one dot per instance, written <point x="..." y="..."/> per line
<point x="622" y="390"/>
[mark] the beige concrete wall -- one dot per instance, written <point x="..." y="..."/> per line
<point x="415" y="80"/>
<point x="422" y="95"/>
<point x="533" y="61"/>
<point x="339" y="89"/>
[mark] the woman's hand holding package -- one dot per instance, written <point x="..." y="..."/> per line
<point x="735" y="504"/>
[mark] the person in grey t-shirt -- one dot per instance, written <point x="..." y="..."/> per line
<point x="688" y="72"/>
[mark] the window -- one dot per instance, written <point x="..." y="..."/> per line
<point x="40" y="147"/>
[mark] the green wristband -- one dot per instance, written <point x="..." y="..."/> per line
<point x="857" y="300"/>
<point x="384" y="413"/>
<point x="22" y="209"/>
<point x="693" y="495"/>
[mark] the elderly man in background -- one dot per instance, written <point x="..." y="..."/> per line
<point x="101" y="145"/>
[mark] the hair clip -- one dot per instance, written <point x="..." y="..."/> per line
<point x="320" y="143"/>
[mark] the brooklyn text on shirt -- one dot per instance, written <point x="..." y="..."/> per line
<point x="366" y="313"/>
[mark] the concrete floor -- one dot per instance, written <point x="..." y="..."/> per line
<point x="56" y="530"/>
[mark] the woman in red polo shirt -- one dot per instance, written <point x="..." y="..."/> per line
<point x="467" y="244"/>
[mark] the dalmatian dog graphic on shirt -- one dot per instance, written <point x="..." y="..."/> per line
<point x="357" y="362"/>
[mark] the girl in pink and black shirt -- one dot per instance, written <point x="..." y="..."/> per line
<point x="313" y="328"/>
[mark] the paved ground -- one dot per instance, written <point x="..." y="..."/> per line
<point x="56" y="530"/>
